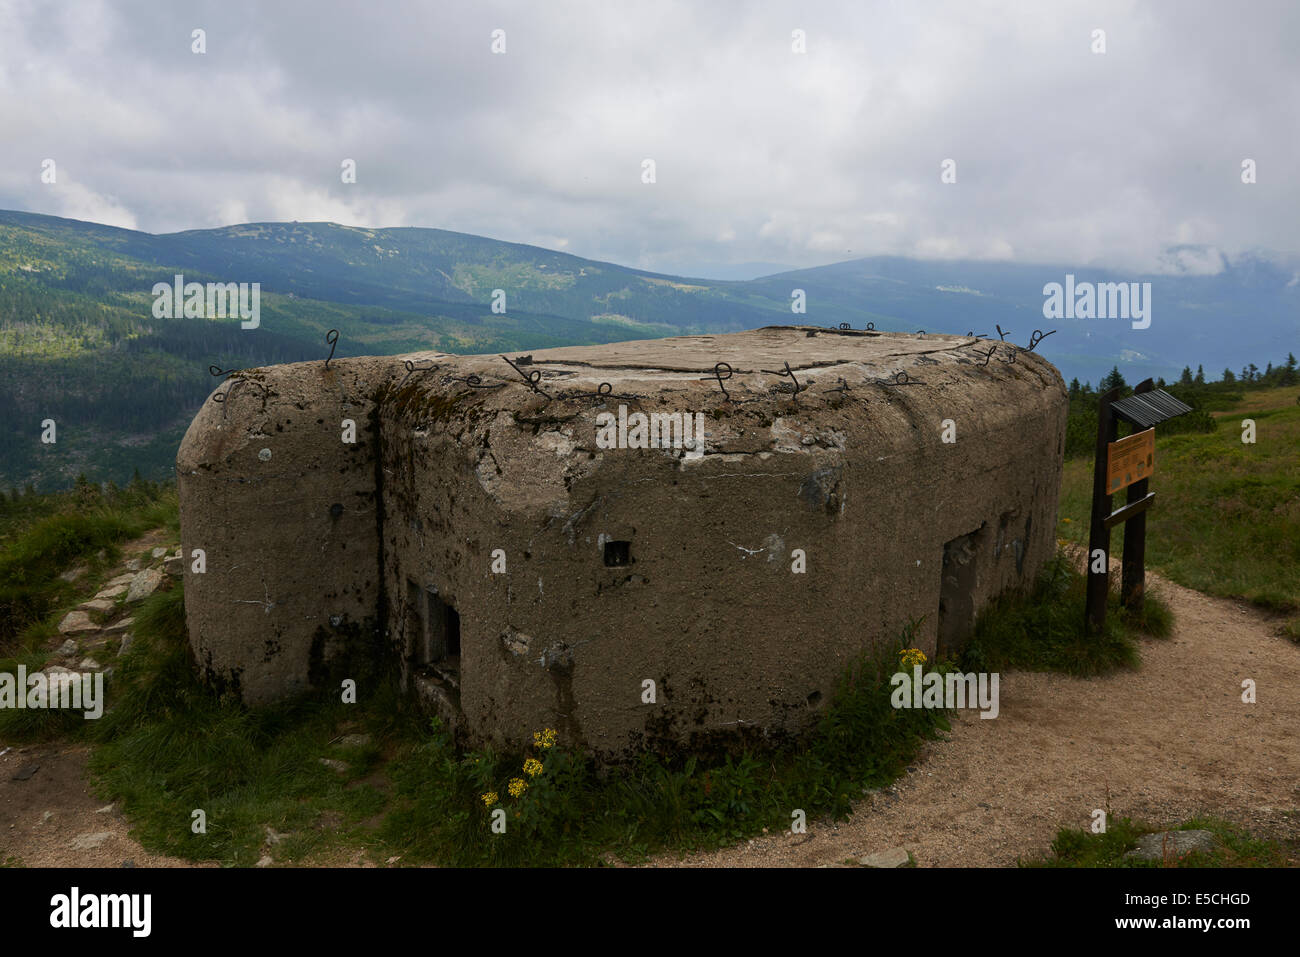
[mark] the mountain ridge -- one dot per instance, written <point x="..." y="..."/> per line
<point x="79" y="342"/>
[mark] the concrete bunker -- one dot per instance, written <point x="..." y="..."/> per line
<point x="524" y="572"/>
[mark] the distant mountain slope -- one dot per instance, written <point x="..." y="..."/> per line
<point x="79" y="342"/>
<point x="1248" y="312"/>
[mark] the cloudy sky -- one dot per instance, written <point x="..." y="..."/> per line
<point x="761" y="153"/>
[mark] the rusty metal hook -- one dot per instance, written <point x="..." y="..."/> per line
<point x="223" y="398"/>
<point x="332" y="337"/>
<point x="1038" y="337"/>
<point x="717" y="374"/>
<point x="900" y="378"/>
<point x="411" y="368"/>
<point x="532" y="378"/>
<point x="788" y="372"/>
<point x="473" y="381"/>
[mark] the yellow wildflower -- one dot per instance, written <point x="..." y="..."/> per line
<point x="545" y="738"/>
<point x="517" y="787"/>
<point x="532" y="767"/>
<point x="912" y="657"/>
<point x="490" y="798"/>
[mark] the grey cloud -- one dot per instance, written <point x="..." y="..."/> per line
<point x="1062" y="155"/>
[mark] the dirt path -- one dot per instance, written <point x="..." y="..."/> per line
<point x="51" y="819"/>
<point x="1163" y="743"/>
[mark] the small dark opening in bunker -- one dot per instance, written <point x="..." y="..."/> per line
<point x="618" y="553"/>
<point x="442" y="633"/>
<point x="957" y="593"/>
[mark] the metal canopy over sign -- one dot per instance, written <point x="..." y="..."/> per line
<point x="1145" y="409"/>
<point x="1130" y="460"/>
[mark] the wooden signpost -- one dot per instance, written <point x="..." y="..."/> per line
<point x="1125" y="463"/>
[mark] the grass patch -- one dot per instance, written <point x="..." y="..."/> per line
<point x="1042" y="629"/>
<point x="169" y="746"/>
<point x="41" y="536"/>
<point x="570" y="814"/>
<point x="1227" y="514"/>
<point x="1236" y="847"/>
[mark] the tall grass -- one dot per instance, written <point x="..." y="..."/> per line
<point x="1226" y="519"/>
<point x="1043" y="630"/>
<point x="45" y="535"/>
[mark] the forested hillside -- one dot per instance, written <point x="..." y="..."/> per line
<point x="80" y="343"/>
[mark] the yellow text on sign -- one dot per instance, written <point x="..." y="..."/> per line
<point x="1131" y="459"/>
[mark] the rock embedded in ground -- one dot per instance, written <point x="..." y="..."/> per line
<point x="67" y="649"/>
<point x="174" y="566"/>
<point x="894" y="857"/>
<point x="89" y="840"/>
<point x="118" y="627"/>
<point x="125" y="645"/>
<point x="333" y="765"/>
<point x="1155" y="847"/>
<point x="158" y="552"/>
<point x="123" y="579"/>
<point x="89" y="664"/>
<point x="77" y="623"/>
<point x="132" y="565"/>
<point x="98" y="605"/>
<point x="354" y="741"/>
<point x="144" y="584"/>
<point x="113" y="591"/>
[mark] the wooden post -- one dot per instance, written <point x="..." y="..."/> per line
<point x="1133" y="573"/>
<point x="1098" y="533"/>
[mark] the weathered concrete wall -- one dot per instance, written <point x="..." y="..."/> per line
<point x="286" y="514"/>
<point x="709" y="609"/>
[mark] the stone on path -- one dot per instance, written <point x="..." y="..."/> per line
<point x="77" y="623"/>
<point x="89" y="840"/>
<point x="894" y="857"/>
<point x="1154" y="847"/>
<point x="144" y="584"/>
